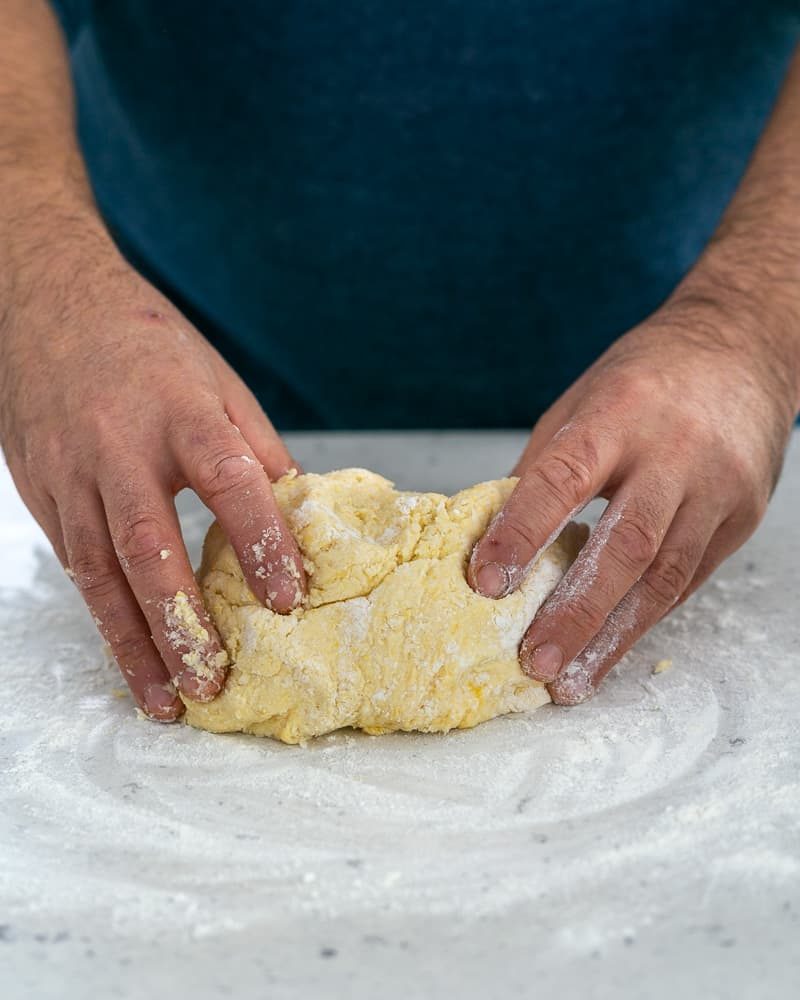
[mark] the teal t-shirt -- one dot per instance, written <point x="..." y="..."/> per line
<point x="422" y="212"/>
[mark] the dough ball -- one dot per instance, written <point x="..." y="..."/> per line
<point x="391" y="637"/>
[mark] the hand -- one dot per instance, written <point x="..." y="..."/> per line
<point x="681" y="426"/>
<point x="111" y="403"/>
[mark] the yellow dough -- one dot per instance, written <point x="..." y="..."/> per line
<point x="392" y="637"/>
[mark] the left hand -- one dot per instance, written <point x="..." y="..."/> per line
<point x="681" y="425"/>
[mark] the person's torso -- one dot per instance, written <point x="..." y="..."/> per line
<point x="426" y="212"/>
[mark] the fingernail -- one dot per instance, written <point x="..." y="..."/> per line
<point x="283" y="594"/>
<point x="284" y="590"/>
<point x="544" y="663"/>
<point x="190" y="636"/>
<point x="573" y="685"/>
<point x="493" y="580"/>
<point x="161" y="702"/>
<point x="200" y="688"/>
<point x="204" y="682"/>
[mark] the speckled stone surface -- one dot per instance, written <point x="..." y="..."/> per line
<point x="644" y="845"/>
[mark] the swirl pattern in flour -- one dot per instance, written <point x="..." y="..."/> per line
<point x="105" y="811"/>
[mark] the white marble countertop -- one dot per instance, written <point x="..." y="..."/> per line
<point x="644" y="845"/>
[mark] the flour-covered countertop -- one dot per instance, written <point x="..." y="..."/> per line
<point x="644" y="845"/>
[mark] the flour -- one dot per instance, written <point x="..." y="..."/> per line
<point x="649" y="761"/>
<point x="309" y="512"/>
<point x="583" y="573"/>
<point x="405" y="504"/>
<point x="358" y="611"/>
<point x="649" y="807"/>
<point x="187" y="635"/>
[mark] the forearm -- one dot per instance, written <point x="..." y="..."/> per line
<point x="37" y="120"/>
<point x="44" y="188"/>
<point x="51" y="232"/>
<point x="752" y="264"/>
<point x="682" y="425"/>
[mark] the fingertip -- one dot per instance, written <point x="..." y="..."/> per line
<point x="205" y="683"/>
<point x="279" y="470"/>
<point x="295" y="468"/>
<point x="490" y="579"/>
<point x="160" y="702"/>
<point x="201" y="689"/>
<point x="164" y="718"/>
<point x="473" y="566"/>
<point x="573" y="686"/>
<point x="541" y="662"/>
<point x="287" y="589"/>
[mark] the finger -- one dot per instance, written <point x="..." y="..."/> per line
<point x="94" y="567"/>
<point x="46" y="514"/>
<point x="621" y="547"/>
<point x="245" y="413"/>
<point x="642" y="607"/>
<point x="728" y="538"/>
<point x="147" y="539"/>
<point x="551" y="425"/>
<point x="221" y="468"/>
<point x="48" y="520"/>
<point x="42" y="507"/>
<point x="567" y="475"/>
<point x="558" y="420"/>
<point x="52" y="528"/>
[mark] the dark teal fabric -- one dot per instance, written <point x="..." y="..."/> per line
<point x="401" y="213"/>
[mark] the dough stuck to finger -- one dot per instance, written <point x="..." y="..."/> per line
<point x="391" y="636"/>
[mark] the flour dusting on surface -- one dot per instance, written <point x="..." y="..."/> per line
<point x="666" y="809"/>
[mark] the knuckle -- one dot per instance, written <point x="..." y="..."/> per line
<point x="636" y="540"/>
<point x="584" y="616"/>
<point x="131" y="647"/>
<point x="750" y="473"/>
<point x="750" y="482"/>
<point x="740" y="470"/>
<point x="37" y="454"/>
<point x="568" y="474"/>
<point x="670" y="575"/>
<point x="106" y="415"/>
<point x="748" y="515"/>
<point x="96" y="571"/>
<point x="645" y="384"/>
<point x="518" y="539"/>
<point x="140" y="541"/>
<point x="757" y="509"/>
<point x="193" y="421"/>
<point x="223" y="472"/>
<point x="695" y="434"/>
<point x="632" y="386"/>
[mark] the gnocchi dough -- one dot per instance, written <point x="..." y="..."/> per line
<point x="391" y="636"/>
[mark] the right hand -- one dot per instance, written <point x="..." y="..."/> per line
<point x="110" y="403"/>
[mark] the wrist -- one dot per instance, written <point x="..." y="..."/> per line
<point x="44" y="196"/>
<point x="51" y="238"/>
<point x="746" y="298"/>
